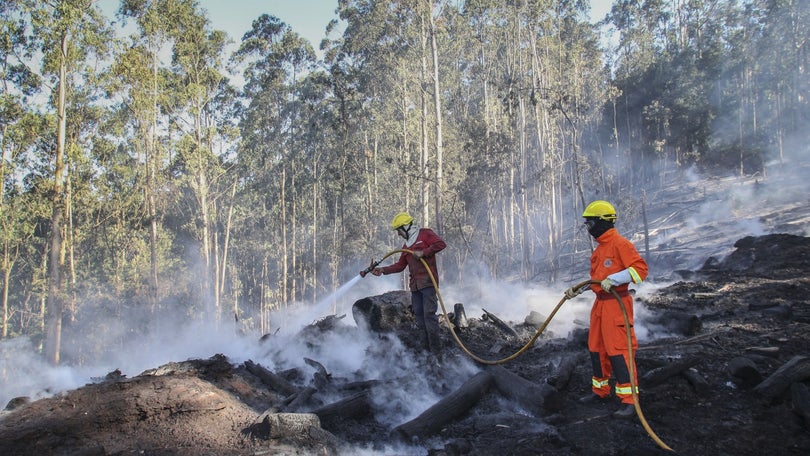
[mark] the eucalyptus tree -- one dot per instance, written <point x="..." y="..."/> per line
<point x="533" y="78"/>
<point x="644" y="43"/>
<point x="563" y="97"/>
<point x="780" y="58"/>
<point x="196" y="79"/>
<point x="24" y="132"/>
<point x="143" y="85"/>
<point x="272" y="155"/>
<point x="68" y="33"/>
<point x="19" y="214"/>
<point x="435" y="9"/>
<point x="480" y="31"/>
<point x="18" y="83"/>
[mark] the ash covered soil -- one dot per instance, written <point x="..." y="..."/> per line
<point x="731" y="378"/>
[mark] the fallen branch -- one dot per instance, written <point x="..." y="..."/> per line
<point x="690" y="340"/>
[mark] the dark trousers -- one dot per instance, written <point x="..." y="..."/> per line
<point x="425" y="304"/>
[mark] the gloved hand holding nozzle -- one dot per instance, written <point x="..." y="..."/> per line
<point x="572" y="292"/>
<point x="372" y="268"/>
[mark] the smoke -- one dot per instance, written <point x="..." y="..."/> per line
<point x="692" y="221"/>
<point x="25" y="373"/>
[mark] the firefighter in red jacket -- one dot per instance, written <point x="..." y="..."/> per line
<point x="614" y="264"/>
<point x="424" y="243"/>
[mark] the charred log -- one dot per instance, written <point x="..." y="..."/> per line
<point x="214" y="367"/>
<point x="660" y="375"/>
<point x="361" y="386"/>
<point x="297" y="400"/>
<point x="800" y="396"/>
<point x="795" y="370"/>
<point x="321" y="378"/>
<point x="275" y="382"/>
<point x="564" y="372"/>
<point x="744" y="372"/>
<point x="460" y="316"/>
<point x="538" y="398"/>
<point x="386" y="312"/>
<point x="697" y="380"/>
<point x="499" y="323"/>
<point x="448" y="409"/>
<point x="352" y="407"/>
<point x="272" y="425"/>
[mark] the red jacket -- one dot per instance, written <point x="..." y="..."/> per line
<point x="428" y="242"/>
<point x="613" y="254"/>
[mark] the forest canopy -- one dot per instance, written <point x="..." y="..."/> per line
<point x="138" y="179"/>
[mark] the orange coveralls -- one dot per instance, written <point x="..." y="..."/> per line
<point x="607" y="339"/>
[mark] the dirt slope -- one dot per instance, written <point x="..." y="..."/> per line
<point x="748" y="314"/>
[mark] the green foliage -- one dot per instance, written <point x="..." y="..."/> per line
<point x="301" y="167"/>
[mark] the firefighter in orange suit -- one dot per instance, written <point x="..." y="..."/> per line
<point x="614" y="264"/>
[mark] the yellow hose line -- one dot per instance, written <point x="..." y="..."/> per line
<point x="631" y="363"/>
<point x="632" y="366"/>
<point x="452" y="327"/>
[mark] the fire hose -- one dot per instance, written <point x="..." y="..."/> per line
<point x="631" y="363"/>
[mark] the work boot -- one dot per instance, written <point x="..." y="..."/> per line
<point x="591" y="398"/>
<point x="625" y="411"/>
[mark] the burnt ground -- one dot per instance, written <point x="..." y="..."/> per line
<point x="736" y="321"/>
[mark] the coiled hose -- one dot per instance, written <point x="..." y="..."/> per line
<point x="631" y="364"/>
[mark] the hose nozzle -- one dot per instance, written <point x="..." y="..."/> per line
<point x="370" y="267"/>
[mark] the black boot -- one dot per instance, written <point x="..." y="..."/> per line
<point x="625" y="411"/>
<point x="592" y="398"/>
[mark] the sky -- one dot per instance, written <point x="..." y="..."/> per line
<point x="308" y="18"/>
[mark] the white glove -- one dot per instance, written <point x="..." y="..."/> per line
<point x="606" y="284"/>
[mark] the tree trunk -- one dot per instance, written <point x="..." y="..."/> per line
<point x="284" y="252"/>
<point x="425" y="156"/>
<point x="151" y="187"/>
<point x="8" y="263"/>
<point x="437" y="106"/>
<point x="55" y="305"/>
<point x="226" y="244"/>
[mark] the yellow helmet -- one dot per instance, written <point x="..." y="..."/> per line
<point x="601" y="209"/>
<point x="400" y="220"/>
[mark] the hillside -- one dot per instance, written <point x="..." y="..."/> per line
<point x="724" y="364"/>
